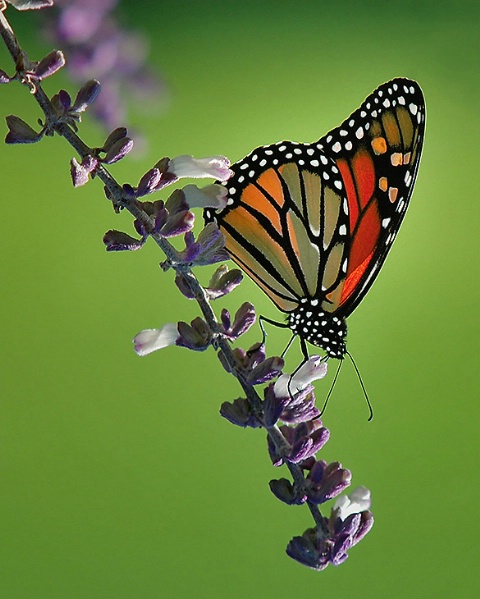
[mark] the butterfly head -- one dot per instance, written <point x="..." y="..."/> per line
<point x="319" y="328"/>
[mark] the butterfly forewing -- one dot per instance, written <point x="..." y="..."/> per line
<point x="284" y="224"/>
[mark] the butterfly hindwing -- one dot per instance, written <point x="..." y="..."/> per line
<point x="377" y="150"/>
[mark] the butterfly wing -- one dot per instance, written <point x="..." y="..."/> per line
<point x="312" y="224"/>
<point x="377" y="150"/>
<point x="286" y="221"/>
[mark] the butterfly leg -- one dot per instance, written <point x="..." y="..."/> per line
<point x="280" y="325"/>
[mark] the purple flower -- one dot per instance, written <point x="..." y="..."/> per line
<point x="49" y="65"/>
<point x="239" y="413"/>
<point x="117" y="241"/>
<point x="80" y="171"/>
<point x="326" y="481"/>
<point x="30" y="4"/>
<point x="20" y="132"/>
<point x="223" y="281"/>
<point x="317" y="550"/>
<point x="304" y="441"/>
<point x="244" y="318"/>
<point x="97" y="47"/>
<point x="196" y="336"/>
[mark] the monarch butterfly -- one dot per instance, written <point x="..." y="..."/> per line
<point x="312" y="224"/>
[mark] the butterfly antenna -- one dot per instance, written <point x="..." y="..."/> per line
<point x="370" y="409"/>
<point x="331" y="387"/>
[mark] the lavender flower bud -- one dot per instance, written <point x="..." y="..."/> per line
<point x="273" y="406"/>
<point x="304" y="439"/>
<point x="149" y="182"/>
<point x="304" y="550"/>
<point x="239" y="413"/>
<point x="117" y="241"/>
<point x="183" y="286"/>
<point x="223" y="281"/>
<point x="327" y="481"/>
<point x="178" y="224"/>
<point x="62" y="102"/>
<point x="118" y="150"/>
<point x="299" y="407"/>
<point x="161" y="216"/>
<point x="79" y="172"/>
<point x="115" y="136"/>
<point x="265" y="371"/>
<point x="212" y="243"/>
<point x="20" y="132"/>
<point x="49" y="65"/>
<point x="317" y="551"/>
<point x="196" y="336"/>
<point x="192" y="249"/>
<point x="176" y="203"/>
<point x="86" y="95"/>
<point x="285" y="491"/>
<point x="244" y="318"/>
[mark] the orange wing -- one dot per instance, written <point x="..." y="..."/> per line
<point x="287" y="225"/>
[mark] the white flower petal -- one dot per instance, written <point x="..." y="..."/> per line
<point x="358" y="501"/>
<point x="211" y="196"/>
<point x="281" y="386"/>
<point x="310" y="371"/>
<point x="198" y="168"/>
<point x="150" y="340"/>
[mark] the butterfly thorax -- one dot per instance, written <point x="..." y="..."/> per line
<point x="319" y="328"/>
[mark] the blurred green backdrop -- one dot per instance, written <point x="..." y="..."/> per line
<point x="119" y="478"/>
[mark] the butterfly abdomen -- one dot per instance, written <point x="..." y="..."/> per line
<point x="319" y="328"/>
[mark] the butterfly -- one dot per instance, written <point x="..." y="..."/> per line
<point x="312" y="223"/>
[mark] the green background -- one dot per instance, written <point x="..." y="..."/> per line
<point x="119" y="479"/>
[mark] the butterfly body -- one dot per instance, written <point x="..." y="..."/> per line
<point x="312" y="224"/>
